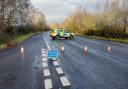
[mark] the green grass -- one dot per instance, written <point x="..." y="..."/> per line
<point x="109" y="39"/>
<point x="2" y="46"/>
<point x="14" y="40"/>
<point x="21" y="38"/>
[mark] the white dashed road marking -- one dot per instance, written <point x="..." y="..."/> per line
<point x="43" y="52"/>
<point x="55" y="63"/>
<point x="48" y="45"/>
<point x="45" y="64"/>
<point x="48" y="84"/>
<point x="44" y="59"/>
<point x="54" y="59"/>
<point x="59" y="71"/>
<point x="64" y="81"/>
<point x="44" y="55"/>
<point x="49" y="49"/>
<point x="42" y="49"/>
<point x="46" y="72"/>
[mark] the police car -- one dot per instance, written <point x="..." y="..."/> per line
<point x="61" y="33"/>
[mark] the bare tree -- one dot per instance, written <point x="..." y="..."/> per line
<point x="124" y="14"/>
<point x="37" y="20"/>
<point x="14" y="13"/>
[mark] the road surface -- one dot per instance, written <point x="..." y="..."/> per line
<point x="74" y="69"/>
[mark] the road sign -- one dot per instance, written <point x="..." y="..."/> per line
<point x="52" y="54"/>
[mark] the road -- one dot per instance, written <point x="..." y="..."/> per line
<point x="74" y="69"/>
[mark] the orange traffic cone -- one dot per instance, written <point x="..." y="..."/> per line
<point x="85" y="49"/>
<point x="22" y="49"/>
<point x="62" y="49"/>
<point x="109" y="49"/>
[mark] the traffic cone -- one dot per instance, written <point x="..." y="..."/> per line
<point x="62" y="49"/>
<point x="22" y="49"/>
<point x="85" y="49"/>
<point x="109" y="49"/>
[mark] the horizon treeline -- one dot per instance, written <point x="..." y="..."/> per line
<point x="112" y="21"/>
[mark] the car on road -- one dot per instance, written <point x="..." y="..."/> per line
<point x="61" y="33"/>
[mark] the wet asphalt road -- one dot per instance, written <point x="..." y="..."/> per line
<point x="97" y="69"/>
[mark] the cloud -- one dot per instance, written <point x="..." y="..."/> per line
<point x="36" y="2"/>
<point x="58" y="10"/>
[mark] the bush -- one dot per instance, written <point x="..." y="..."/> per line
<point x="4" y="38"/>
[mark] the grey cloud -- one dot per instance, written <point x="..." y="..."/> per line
<point x="58" y="10"/>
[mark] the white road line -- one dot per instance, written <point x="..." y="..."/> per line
<point x="48" y="45"/>
<point x="48" y="84"/>
<point x="65" y="81"/>
<point x="45" y="64"/>
<point x="54" y="59"/>
<point x="44" y="55"/>
<point x="59" y="70"/>
<point x="42" y="49"/>
<point x="44" y="59"/>
<point x="49" y="49"/>
<point x="46" y="72"/>
<point x="55" y="63"/>
<point x="43" y="52"/>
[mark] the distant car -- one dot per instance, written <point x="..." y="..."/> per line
<point x="61" y="33"/>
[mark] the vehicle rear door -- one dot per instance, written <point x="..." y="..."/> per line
<point x="61" y="33"/>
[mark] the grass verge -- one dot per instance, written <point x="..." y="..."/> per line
<point x="15" y="40"/>
<point x="109" y="39"/>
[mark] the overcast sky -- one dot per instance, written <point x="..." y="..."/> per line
<point x="57" y="10"/>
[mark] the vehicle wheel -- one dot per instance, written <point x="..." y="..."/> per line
<point x="71" y="37"/>
<point x="66" y="38"/>
<point x="53" y="38"/>
<point x="57" y="37"/>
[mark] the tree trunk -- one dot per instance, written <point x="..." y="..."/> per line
<point x="124" y="31"/>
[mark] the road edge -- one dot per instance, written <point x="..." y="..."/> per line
<point x="122" y="41"/>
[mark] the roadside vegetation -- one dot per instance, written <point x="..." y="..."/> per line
<point x="110" y="22"/>
<point x="18" y="21"/>
<point x="14" y="40"/>
<point x="120" y="40"/>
